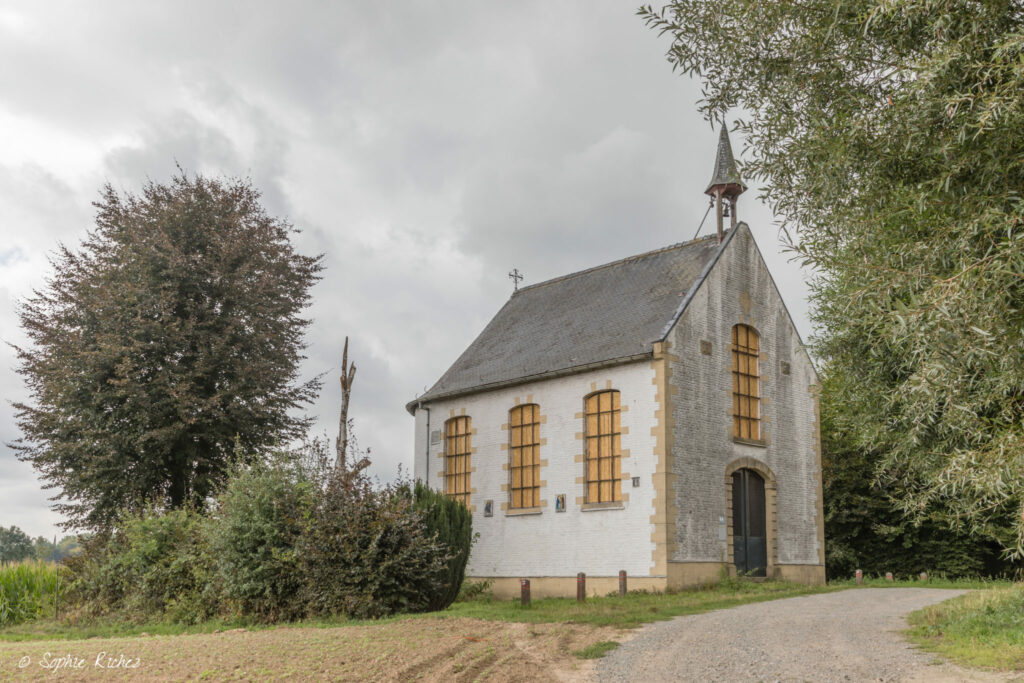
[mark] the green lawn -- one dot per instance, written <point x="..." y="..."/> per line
<point x="981" y="629"/>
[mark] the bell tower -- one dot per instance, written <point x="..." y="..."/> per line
<point x="725" y="185"/>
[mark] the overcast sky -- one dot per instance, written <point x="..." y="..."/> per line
<point x="426" y="148"/>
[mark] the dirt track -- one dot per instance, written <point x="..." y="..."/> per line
<point x="405" y="650"/>
<point x="850" y="635"/>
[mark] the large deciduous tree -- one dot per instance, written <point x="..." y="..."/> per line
<point x="865" y="530"/>
<point x="15" y="545"/>
<point x="888" y="133"/>
<point x="169" y="341"/>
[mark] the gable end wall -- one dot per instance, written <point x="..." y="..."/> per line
<point x="739" y="290"/>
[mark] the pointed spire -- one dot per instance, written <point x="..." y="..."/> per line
<point x="726" y="178"/>
<point x="725" y="184"/>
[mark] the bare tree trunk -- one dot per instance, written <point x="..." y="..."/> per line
<point x="348" y="375"/>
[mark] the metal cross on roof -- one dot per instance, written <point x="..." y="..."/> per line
<point x="515" y="276"/>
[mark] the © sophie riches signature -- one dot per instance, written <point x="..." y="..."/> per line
<point x="103" y="660"/>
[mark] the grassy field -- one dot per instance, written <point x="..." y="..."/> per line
<point x="27" y="590"/>
<point x="981" y="630"/>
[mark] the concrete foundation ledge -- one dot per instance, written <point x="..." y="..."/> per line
<point x="810" y="574"/>
<point x="691" y="574"/>
<point x="505" y="587"/>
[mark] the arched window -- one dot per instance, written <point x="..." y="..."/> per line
<point x="603" y="447"/>
<point x="456" y="458"/>
<point x="746" y="409"/>
<point x="524" y="455"/>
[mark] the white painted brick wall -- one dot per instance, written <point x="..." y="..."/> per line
<point x="598" y="542"/>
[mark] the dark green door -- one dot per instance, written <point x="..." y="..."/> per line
<point x="749" y="539"/>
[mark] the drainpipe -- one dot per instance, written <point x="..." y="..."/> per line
<point x="427" y="449"/>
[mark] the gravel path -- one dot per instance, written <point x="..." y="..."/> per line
<point x="850" y="635"/>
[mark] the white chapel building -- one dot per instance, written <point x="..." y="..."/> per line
<point x="657" y="414"/>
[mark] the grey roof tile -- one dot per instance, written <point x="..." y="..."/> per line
<point x="614" y="311"/>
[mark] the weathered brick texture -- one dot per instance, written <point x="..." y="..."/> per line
<point x="739" y="289"/>
<point x="598" y="542"/>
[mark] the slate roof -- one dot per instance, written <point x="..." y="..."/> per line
<point x="604" y="315"/>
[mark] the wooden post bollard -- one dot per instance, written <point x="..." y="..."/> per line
<point x="622" y="583"/>
<point x="581" y="587"/>
<point x="924" y="576"/>
<point x="888" y="576"/>
<point x="860" y="577"/>
<point x="524" y="592"/>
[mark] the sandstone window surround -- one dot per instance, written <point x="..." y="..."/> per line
<point x="524" y="456"/>
<point x="457" y="453"/>
<point x="746" y="408"/>
<point x="603" y="447"/>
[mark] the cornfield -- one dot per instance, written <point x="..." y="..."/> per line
<point x="27" y="590"/>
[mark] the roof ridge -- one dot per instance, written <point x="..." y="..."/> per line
<point x="652" y="252"/>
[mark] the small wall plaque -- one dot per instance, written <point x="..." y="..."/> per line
<point x="435" y="437"/>
<point x="785" y="367"/>
<point x="705" y="347"/>
<point x="636" y="482"/>
<point x="560" y="502"/>
<point x="489" y="508"/>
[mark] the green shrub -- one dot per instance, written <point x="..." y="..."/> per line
<point x="155" y="564"/>
<point x="287" y="538"/>
<point x="478" y="590"/>
<point x="367" y="552"/>
<point x="254" y="534"/>
<point x="452" y="523"/>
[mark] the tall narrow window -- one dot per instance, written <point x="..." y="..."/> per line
<point x="746" y="410"/>
<point x="456" y="458"/>
<point x="604" y="448"/>
<point x="524" y="447"/>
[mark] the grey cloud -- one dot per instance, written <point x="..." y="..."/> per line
<point x="424" y="148"/>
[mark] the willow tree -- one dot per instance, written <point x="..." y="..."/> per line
<point x="168" y="342"/>
<point x="888" y="136"/>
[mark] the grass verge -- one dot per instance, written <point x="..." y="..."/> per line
<point x="980" y="630"/>
<point x="635" y="608"/>
<point x="931" y="582"/>
<point x="597" y="650"/>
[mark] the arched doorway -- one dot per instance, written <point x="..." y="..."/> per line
<point x="749" y="528"/>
